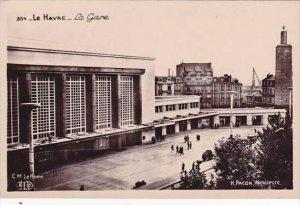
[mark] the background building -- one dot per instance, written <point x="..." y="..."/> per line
<point x="283" y="72"/>
<point x="198" y="80"/>
<point x="168" y="85"/>
<point x="251" y="96"/>
<point x="268" y="89"/>
<point x="221" y="96"/>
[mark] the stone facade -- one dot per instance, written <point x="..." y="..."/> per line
<point x="198" y="80"/>
<point x="268" y="89"/>
<point x="283" y="75"/>
<point x="168" y="86"/>
<point x="222" y="86"/>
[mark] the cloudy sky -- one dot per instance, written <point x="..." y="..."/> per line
<point x="233" y="36"/>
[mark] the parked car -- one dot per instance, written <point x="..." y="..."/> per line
<point x="207" y="155"/>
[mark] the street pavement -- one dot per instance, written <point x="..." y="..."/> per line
<point x="153" y="163"/>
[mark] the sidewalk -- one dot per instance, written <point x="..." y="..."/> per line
<point x="153" y="163"/>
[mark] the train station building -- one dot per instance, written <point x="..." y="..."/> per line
<point x="91" y="103"/>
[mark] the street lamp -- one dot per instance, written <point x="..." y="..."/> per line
<point x="290" y="100"/>
<point x="231" y="92"/>
<point x="29" y="107"/>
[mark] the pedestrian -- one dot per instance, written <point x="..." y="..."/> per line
<point x="198" y="164"/>
<point x="182" y="167"/>
<point x="191" y="145"/>
<point x="172" y="148"/>
<point x="177" y="149"/>
<point x="193" y="165"/>
<point x="81" y="188"/>
<point x="182" y="151"/>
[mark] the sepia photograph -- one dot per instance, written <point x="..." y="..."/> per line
<point x="150" y="96"/>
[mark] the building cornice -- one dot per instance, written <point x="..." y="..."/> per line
<point x="43" y="50"/>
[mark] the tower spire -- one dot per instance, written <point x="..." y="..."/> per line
<point x="283" y="36"/>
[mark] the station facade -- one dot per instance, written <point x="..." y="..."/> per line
<point x="89" y="102"/>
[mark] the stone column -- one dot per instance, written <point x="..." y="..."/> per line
<point x="25" y="114"/>
<point x="119" y="144"/>
<point x="137" y="99"/>
<point x="216" y="120"/>
<point x="249" y="119"/>
<point x="265" y="119"/>
<point x="60" y="100"/>
<point x="188" y="125"/>
<point x="90" y="103"/>
<point x="164" y="130"/>
<point x="164" y="108"/>
<point x="176" y="127"/>
<point x="233" y="120"/>
<point x="115" y="100"/>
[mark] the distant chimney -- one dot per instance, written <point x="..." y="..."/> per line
<point x="283" y="36"/>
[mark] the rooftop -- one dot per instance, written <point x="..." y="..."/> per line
<point x="72" y="52"/>
<point x="269" y="77"/>
<point x="196" y="67"/>
<point x="176" y="97"/>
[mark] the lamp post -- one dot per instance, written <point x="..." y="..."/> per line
<point x="231" y="92"/>
<point x="29" y="107"/>
<point x="290" y="100"/>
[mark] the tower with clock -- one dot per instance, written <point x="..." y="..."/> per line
<point x="283" y="72"/>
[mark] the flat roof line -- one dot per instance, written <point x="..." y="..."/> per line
<point x="16" y="48"/>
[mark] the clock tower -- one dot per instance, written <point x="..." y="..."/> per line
<point x="283" y="73"/>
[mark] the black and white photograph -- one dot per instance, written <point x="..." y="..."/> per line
<point x="142" y="96"/>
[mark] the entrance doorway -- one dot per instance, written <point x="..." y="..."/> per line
<point x="182" y="125"/>
<point x="224" y="120"/>
<point x="158" y="132"/>
<point x="241" y="120"/>
<point x="170" y="129"/>
<point x="257" y="120"/>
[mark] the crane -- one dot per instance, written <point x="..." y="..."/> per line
<point x="253" y="78"/>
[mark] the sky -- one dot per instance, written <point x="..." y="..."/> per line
<point x="233" y="36"/>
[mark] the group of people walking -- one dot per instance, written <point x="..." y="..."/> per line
<point x="187" y="141"/>
<point x="179" y="149"/>
<point x="186" y="138"/>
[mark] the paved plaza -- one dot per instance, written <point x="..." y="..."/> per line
<point x="153" y="163"/>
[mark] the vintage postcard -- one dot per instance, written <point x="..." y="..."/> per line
<point x="150" y="99"/>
